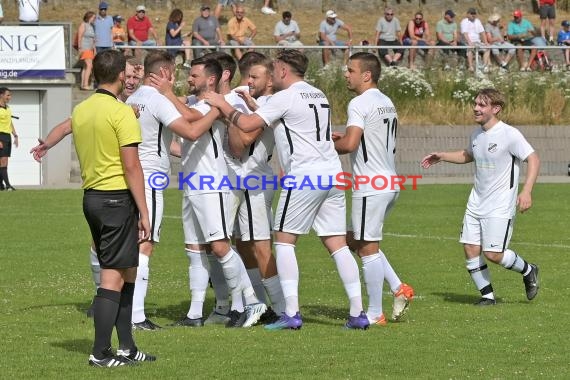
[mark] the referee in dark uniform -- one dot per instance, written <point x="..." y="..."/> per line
<point x="106" y="134"/>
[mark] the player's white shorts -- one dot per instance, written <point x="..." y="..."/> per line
<point x="155" y="205"/>
<point x="205" y="217"/>
<point x="368" y="214"/>
<point x="492" y="234"/>
<point x="235" y="198"/>
<point x="255" y="216"/>
<point x="299" y="210"/>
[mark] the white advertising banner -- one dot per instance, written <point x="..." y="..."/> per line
<point x="32" y="52"/>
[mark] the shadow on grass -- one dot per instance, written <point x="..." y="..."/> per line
<point x="323" y="314"/>
<point x="172" y="312"/>
<point x="467" y="299"/>
<point x="74" y="345"/>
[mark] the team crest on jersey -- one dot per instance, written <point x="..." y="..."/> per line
<point x="492" y="147"/>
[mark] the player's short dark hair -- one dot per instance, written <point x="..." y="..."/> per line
<point x="227" y="61"/>
<point x="249" y="59"/>
<point x="368" y="62"/>
<point x="156" y="59"/>
<point x="107" y="66"/>
<point x="295" y="59"/>
<point x="4" y="90"/>
<point x="493" y="97"/>
<point x="211" y="67"/>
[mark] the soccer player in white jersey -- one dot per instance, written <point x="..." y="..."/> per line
<point x="156" y="112"/>
<point x="370" y="138"/>
<point x="205" y="211"/>
<point x="305" y="148"/>
<point x="497" y="150"/>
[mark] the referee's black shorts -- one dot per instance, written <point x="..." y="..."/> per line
<point x="112" y="217"/>
<point x="6" y="140"/>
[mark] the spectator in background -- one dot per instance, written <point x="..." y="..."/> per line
<point x="287" y="32"/>
<point x="417" y="34"/>
<point x="86" y="38"/>
<point x="242" y="31"/>
<point x="502" y="50"/>
<point x="29" y="10"/>
<point x="564" y="40"/>
<point x="103" y="29"/>
<point x="174" y="35"/>
<point x="221" y="4"/>
<point x="521" y="32"/>
<point x="547" y="10"/>
<point x="206" y="31"/>
<point x="446" y="34"/>
<point x="140" y="29"/>
<point x="266" y="9"/>
<point x="327" y="35"/>
<point x="473" y="35"/>
<point x="388" y="34"/>
<point x="119" y="33"/>
<point x="1" y="14"/>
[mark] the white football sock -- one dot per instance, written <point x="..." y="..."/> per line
<point x="373" y="273"/>
<point x="219" y="284"/>
<point x="141" y="287"/>
<point x="95" y="268"/>
<point x="273" y="288"/>
<point x="348" y="270"/>
<point x="248" y="292"/>
<point x="233" y="269"/>
<point x="288" y="276"/>
<point x="198" y="274"/>
<point x="389" y="274"/>
<point x="514" y="262"/>
<point x="255" y="278"/>
<point x="481" y="276"/>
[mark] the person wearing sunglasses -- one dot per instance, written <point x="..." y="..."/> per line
<point x="417" y="33"/>
<point x="140" y="30"/>
<point x="388" y="33"/>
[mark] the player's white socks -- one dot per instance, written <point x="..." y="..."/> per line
<point x="288" y="276"/>
<point x="514" y="262"/>
<point x="373" y="273"/>
<point x="141" y="287"/>
<point x="198" y="280"/>
<point x="389" y="274"/>
<point x="95" y="268"/>
<point x="219" y="284"/>
<point x="273" y="288"/>
<point x="481" y="276"/>
<point x="348" y="270"/>
<point x="233" y="269"/>
<point x="257" y="284"/>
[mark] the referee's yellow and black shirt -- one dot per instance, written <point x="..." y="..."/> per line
<point x="5" y="120"/>
<point x="101" y="125"/>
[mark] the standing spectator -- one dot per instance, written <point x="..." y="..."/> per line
<point x="103" y="29"/>
<point x="521" y="32"/>
<point x="497" y="150"/>
<point x="564" y="40"/>
<point x="502" y="50"/>
<point x="242" y="31"/>
<point x="287" y="32"/>
<point x="446" y="34"/>
<point x="29" y="10"/>
<point x="174" y="35"/>
<point x="473" y="35"/>
<point x="266" y="9"/>
<point x="1" y="14"/>
<point x="139" y="28"/>
<point x="327" y="35"/>
<point x="106" y="135"/>
<point x="206" y="31"/>
<point x="547" y="10"/>
<point x="86" y="38"/>
<point x="223" y="3"/>
<point x="388" y="33"/>
<point x="119" y="33"/>
<point x="417" y="34"/>
<point x="6" y="129"/>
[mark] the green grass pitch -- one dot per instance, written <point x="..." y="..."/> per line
<point x="45" y="288"/>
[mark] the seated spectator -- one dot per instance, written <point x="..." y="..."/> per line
<point x="287" y="32"/>
<point x="564" y="40"/>
<point x="417" y="34"/>
<point x="242" y="31"/>
<point x="521" y="32"/>
<point x="388" y="34"/>
<point x="473" y="35"/>
<point x="174" y="36"/>
<point x="327" y="35"/>
<point x="502" y="50"/>
<point x="206" y="31"/>
<point x="446" y="35"/>
<point x="119" y="33"/>
<point x="139" y="29"/>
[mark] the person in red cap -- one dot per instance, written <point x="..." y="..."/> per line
<point x="521" y="32"/>
<point x="547" y="11"/>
